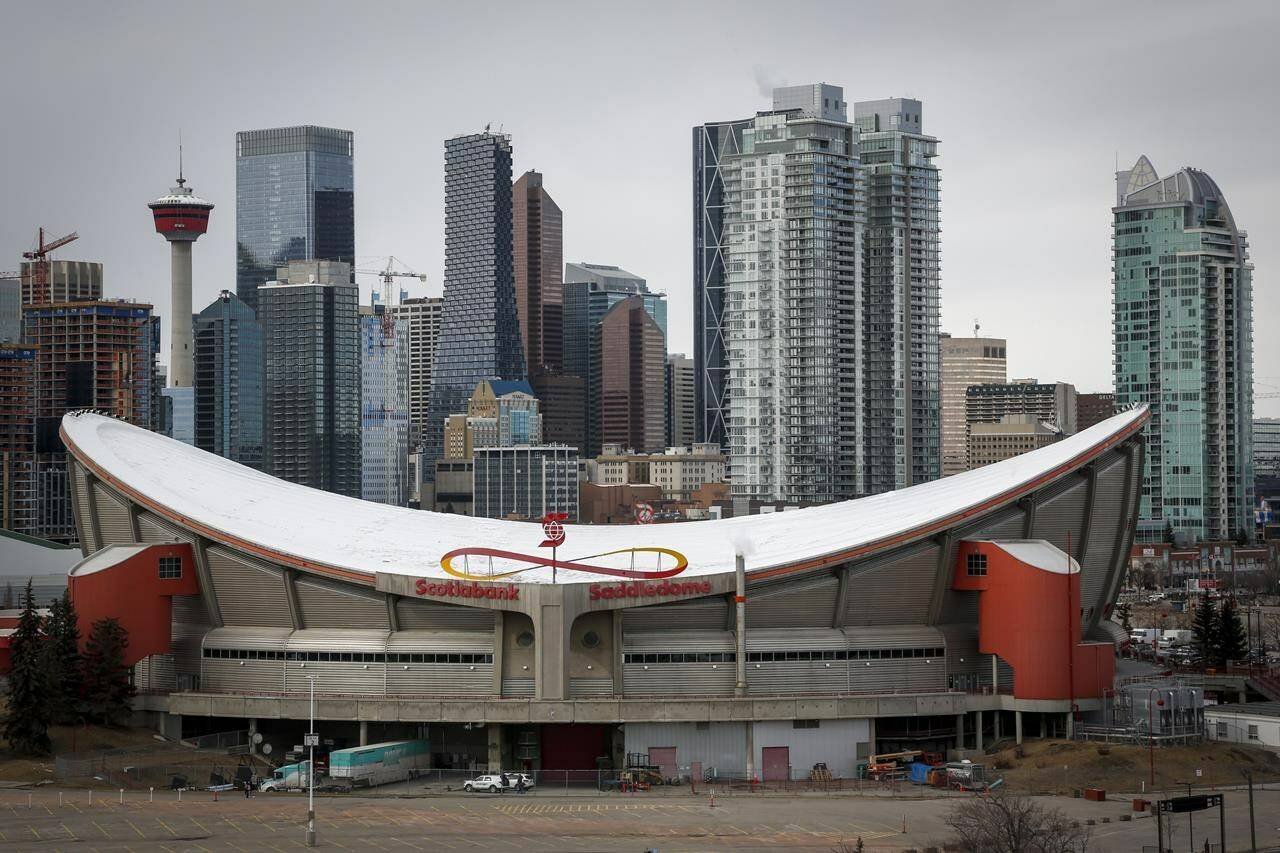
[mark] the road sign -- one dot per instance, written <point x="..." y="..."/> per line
<point x="311" y="740"/>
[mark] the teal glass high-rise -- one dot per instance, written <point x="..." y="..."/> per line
<point x="1184" y="344"/>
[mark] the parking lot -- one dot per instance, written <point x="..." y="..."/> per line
<point x="486" y="822"/>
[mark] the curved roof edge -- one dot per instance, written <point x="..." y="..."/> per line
<point x="354" y="540"/>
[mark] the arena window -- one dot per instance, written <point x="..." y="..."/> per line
<point x="348" y="657"/>
<point x="170" y="568"/>
<point x="976" y="565"/>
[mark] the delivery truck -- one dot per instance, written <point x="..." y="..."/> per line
<point x="380" y="763"/>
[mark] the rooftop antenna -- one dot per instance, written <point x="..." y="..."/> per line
<point x="181" y="181"/>
<point x="976" y="327"/>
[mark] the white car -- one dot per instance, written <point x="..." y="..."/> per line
<point x="492" y="782"/>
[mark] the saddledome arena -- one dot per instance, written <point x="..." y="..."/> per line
<point x="935" y="617"/>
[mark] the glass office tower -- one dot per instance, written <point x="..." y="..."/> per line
<point x="384" y="407"/>
<point x="1183" y="294"/>
<point x="479" y="330"/>
<point x="228" y="381"/>
<point x="311" y="414"/>
<point x="294" y="201"/>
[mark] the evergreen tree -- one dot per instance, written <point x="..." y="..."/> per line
<point x="62" y="650"/>
<point x="1205" y="631"/>
<point x="1232" y="643"/>
<point x="8" y="603"/>
<point x="1168" y="532"/>
<point x="107" y="687"/>
<point x="27" y="726"/>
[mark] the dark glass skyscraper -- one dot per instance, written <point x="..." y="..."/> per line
<point x="311" y="333"/>
<point x="479" y="332"/>
<point x="228" y="381"/>
<point x="294" y="201"/>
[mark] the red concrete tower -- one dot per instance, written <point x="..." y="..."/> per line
<point x="181" y="216"/>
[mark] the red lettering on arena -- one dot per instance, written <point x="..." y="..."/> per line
<point x="454" y="589"/>
<point x="648" y="590"/>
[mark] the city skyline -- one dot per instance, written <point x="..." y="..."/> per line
<point x="1066" y="136"/>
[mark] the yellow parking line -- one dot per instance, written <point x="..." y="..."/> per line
<point x="141" y="834"/>
<point x="100" y="829"/>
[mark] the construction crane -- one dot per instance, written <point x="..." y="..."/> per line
<point x="38" y="290"/>
<point x="388" y="274"/>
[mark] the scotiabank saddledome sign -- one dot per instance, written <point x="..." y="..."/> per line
<point x="644" y="572"/>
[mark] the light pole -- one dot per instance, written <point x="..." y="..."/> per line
<point x="311" y="768"/>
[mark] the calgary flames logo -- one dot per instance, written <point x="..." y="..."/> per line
<point x="497" y="564"/>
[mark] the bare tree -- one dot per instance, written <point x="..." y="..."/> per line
<point x="1004" y="823"/>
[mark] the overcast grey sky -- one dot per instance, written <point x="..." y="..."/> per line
<point x="1033" y="105"/>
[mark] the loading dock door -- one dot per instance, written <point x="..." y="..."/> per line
<point x="777" y="763"/>
<point x="664" y="757"/>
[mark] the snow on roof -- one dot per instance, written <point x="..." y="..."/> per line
<point x="106" y="558"/>
<point x="232" y="502"/>
<point x="1038" y="553"/>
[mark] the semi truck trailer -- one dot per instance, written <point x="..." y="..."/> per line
<point x="380" y="763"/>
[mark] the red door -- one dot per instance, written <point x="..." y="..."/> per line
<point x="665" y="759"/>
<point x="777" y="763"/>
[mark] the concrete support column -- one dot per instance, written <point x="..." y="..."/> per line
<point x="253" y="730"/>
<point x="552" y="634"/>
<point x="997" y="724"/>
<point x="751" y="750"/>
<point x="1017" y="727"/>
<point x="364" y="733"/>
<point x="978" y="731"/>
<point x="959" y="731"/>
<point x="871" y="737"/>
<point x="495" y="746"/>
<point x="181" y="361"/>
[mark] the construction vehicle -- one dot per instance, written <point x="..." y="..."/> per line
<point x="891" y="765"/>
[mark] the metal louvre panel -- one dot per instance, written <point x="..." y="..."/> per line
<point x="1004" y="524"/>
<point x="113" y="517"/>
<point x="82" y="506"/>
<point x="429" y="614"/>
<point x="583" y="687"/>
<point x="228" y="675"/>
<point x="330" y="604"/>
<point x="248" y="594"/>
<point x="904" y="674"/>
<point x="677" y="679"/>
<point x="465" y="642"/>
<point x="798" y="677"/>
<point x="1104" y="526"/>
<point x="895" y="637"/>
<point x="681" y="641"/>
<point x="517" y="688"/>
<point x="154" y="672"/>
<point x="893" y="593"/>
<point x="439" y="679"/>
<point x="962" y="649"/>
<point x="1061" y="513"/>
<point x="708" y="614"/>
<point x="787" y="639"/>
<point x="1107" y="631"/>
<point x="366" y="679"/>
<point x="337" y="640"/>
<point x="806" y="604"/>
<point x="190" y="624"/>
<point x="247" y="638"/>
<point x="152" y="529"/>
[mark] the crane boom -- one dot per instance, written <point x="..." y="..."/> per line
<point x="43" y="249"/>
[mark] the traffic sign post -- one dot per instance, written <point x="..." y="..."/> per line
<point x="1191" y="804"/>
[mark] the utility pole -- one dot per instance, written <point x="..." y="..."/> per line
<point x="1253" y="830"/>
<point x="311" y="768"/>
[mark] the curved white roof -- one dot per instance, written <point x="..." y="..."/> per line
<point x="250" y="509"/>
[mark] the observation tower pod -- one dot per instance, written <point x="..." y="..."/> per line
<point x="181" y="216"/>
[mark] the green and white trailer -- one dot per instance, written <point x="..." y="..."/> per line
<point x="380" y="763"/>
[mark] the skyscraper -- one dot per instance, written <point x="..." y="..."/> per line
<point x="1093" y="408"/>
<point x="10" y="309"/>
<point x="311" y="413"/>
<point x="681" y="409"/>
<point x="421" y="318"/>
<point x="791" y="246"/>
<point x="713" y="143"/>
<point x="228" y="381"/>
<point x="965" y="362"/>
<point x="481" y="337"/>
<point x="294" y="201"/>
<point x="89" y="355"/>
<point x="384" y="407"/>
<point x="538" y="252"/>
<point x="17" y="437"/>
<point x="629" y="362"/>
<point x="1183" y="296"/>
<point x="590" y="291"/>
<point x="900" y="307"/>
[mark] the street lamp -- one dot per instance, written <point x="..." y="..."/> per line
<point x="1151" y="747"/>
<point x="311" y="768"/>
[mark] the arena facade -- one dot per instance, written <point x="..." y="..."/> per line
<point x="935" y="617"/>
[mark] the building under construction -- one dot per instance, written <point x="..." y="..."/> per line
<point x="95" y="354"/>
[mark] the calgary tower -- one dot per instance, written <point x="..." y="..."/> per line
<point x="181" y="216"/>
